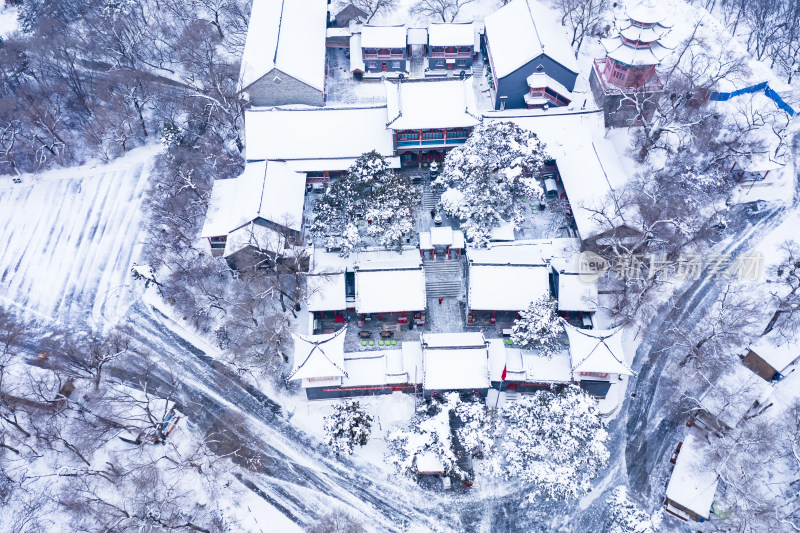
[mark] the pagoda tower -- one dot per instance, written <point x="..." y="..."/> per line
<point x="628" y="71"/>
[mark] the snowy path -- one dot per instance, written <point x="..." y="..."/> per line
<point x="289" y="470"/>
<point x="69" y="238"/>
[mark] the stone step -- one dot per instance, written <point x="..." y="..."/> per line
<point x="437" y="265"/>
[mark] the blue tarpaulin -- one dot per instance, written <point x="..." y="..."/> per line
<point x="764" y="86"/>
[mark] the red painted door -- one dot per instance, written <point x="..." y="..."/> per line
<point x="383" y="67"/>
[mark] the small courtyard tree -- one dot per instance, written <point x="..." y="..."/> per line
<point x="539" y="327"/>
<point x="347" y="427"/>
<point x="487" y="176"/>
<point x="554" y="442"/>
<point x="428" y="433"/>
<point x="370" y="201"/>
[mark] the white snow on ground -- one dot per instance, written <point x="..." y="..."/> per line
<point x="70" y="236"/>
<point x="8" y="20"/>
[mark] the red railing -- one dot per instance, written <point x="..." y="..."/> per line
<point x="451" y="54"/>
<point x="651" y="85"/>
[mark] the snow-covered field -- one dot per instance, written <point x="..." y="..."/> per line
<point x="69" y="238"/>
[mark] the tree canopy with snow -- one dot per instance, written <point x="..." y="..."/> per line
<point x="371" y="200"/>
<point x="627" y="517"/>
<point x="556" y="442"/>
<point x="347" y="427"/>
<point x="539" y="327"/>
<point x="428" y="434"/>
<point x="488" y="175"/>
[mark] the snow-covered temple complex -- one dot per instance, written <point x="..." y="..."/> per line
<point x="629" y="68"/>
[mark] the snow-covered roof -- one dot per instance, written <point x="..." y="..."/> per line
<point x="555" y="369"/>
<point x="305" y="133"/>
<point x="451" y="34"/>
<point x="646" y="12"/>
<point x="442" y="236"/>
<point x="587" y="164"/>
<point x="576" y="293"/>
<point x="527" y="366"/>
<point x="693" y="482"/>
<point x="523" y="30"/>
<point x="597" y="350"/>
<point x="618" y="50"/>
<point x="424" y="104"/>
<point x="527" y="252"/>
<point x="389" y="289"/>
<point x="495" y="287"/>
<point x="270" y="191"/>
<point x="452" y="340"/>
<point x="326" y="292"/>
<point x="504" y="231"/>
<point x="255" y="235"/>
<point x="383" y="36"/>
<point x="417" y="36"/>
<point x="540" y="80"/>
<point x="286" y="35"/>
<point x="456" y="368"/>
<point x="333" y="163"/>
<point x="643" y="35"/>
<point x="318" y="356"/>
<point x="365" y="369"/>
<point x="733" y="394"/>
<point x="356" y="57"/>
<point x="778" y="348"/>
<point x="411" y="352"/>
<point x="429" y="463"/>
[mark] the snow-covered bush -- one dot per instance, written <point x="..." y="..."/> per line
<point x="488" y="175"/>
<point x="477" y="435"/>
<point x="539" y="327"/>
<point x="554" y="442"/>
<point x="347" y="427"/>
<point x="428" y="433"/>
<point x="627" y="517"/>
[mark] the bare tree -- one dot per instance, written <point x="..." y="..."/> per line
<point x="371" y="7"/>
<point x="336" y="521"/>
<point x="447" y="10"/>
<point x="584" y="17"/>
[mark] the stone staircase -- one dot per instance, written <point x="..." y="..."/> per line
<point x="444" y="278"/>
<point x="429" y="199"/>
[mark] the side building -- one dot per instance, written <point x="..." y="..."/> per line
<point x="451" y="47"/>
<point x="384" y="51"/>
<point x="257" y="217"/>
<point x="427" y="118"/>
<point x="623" y="83"/>
<point x="284" y="55"/>
<point x="520" y="41"/>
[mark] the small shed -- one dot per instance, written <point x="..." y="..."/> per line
<point x="693" y="483"/>
<point x="773" y="353"/>
<point x="730" y="398"/>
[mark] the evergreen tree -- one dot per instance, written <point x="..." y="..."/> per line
<point x="487" y="176"/>
<point x="347" y="427"/>
<point x="554" y="442"/>
<point x="539" y="327"/>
